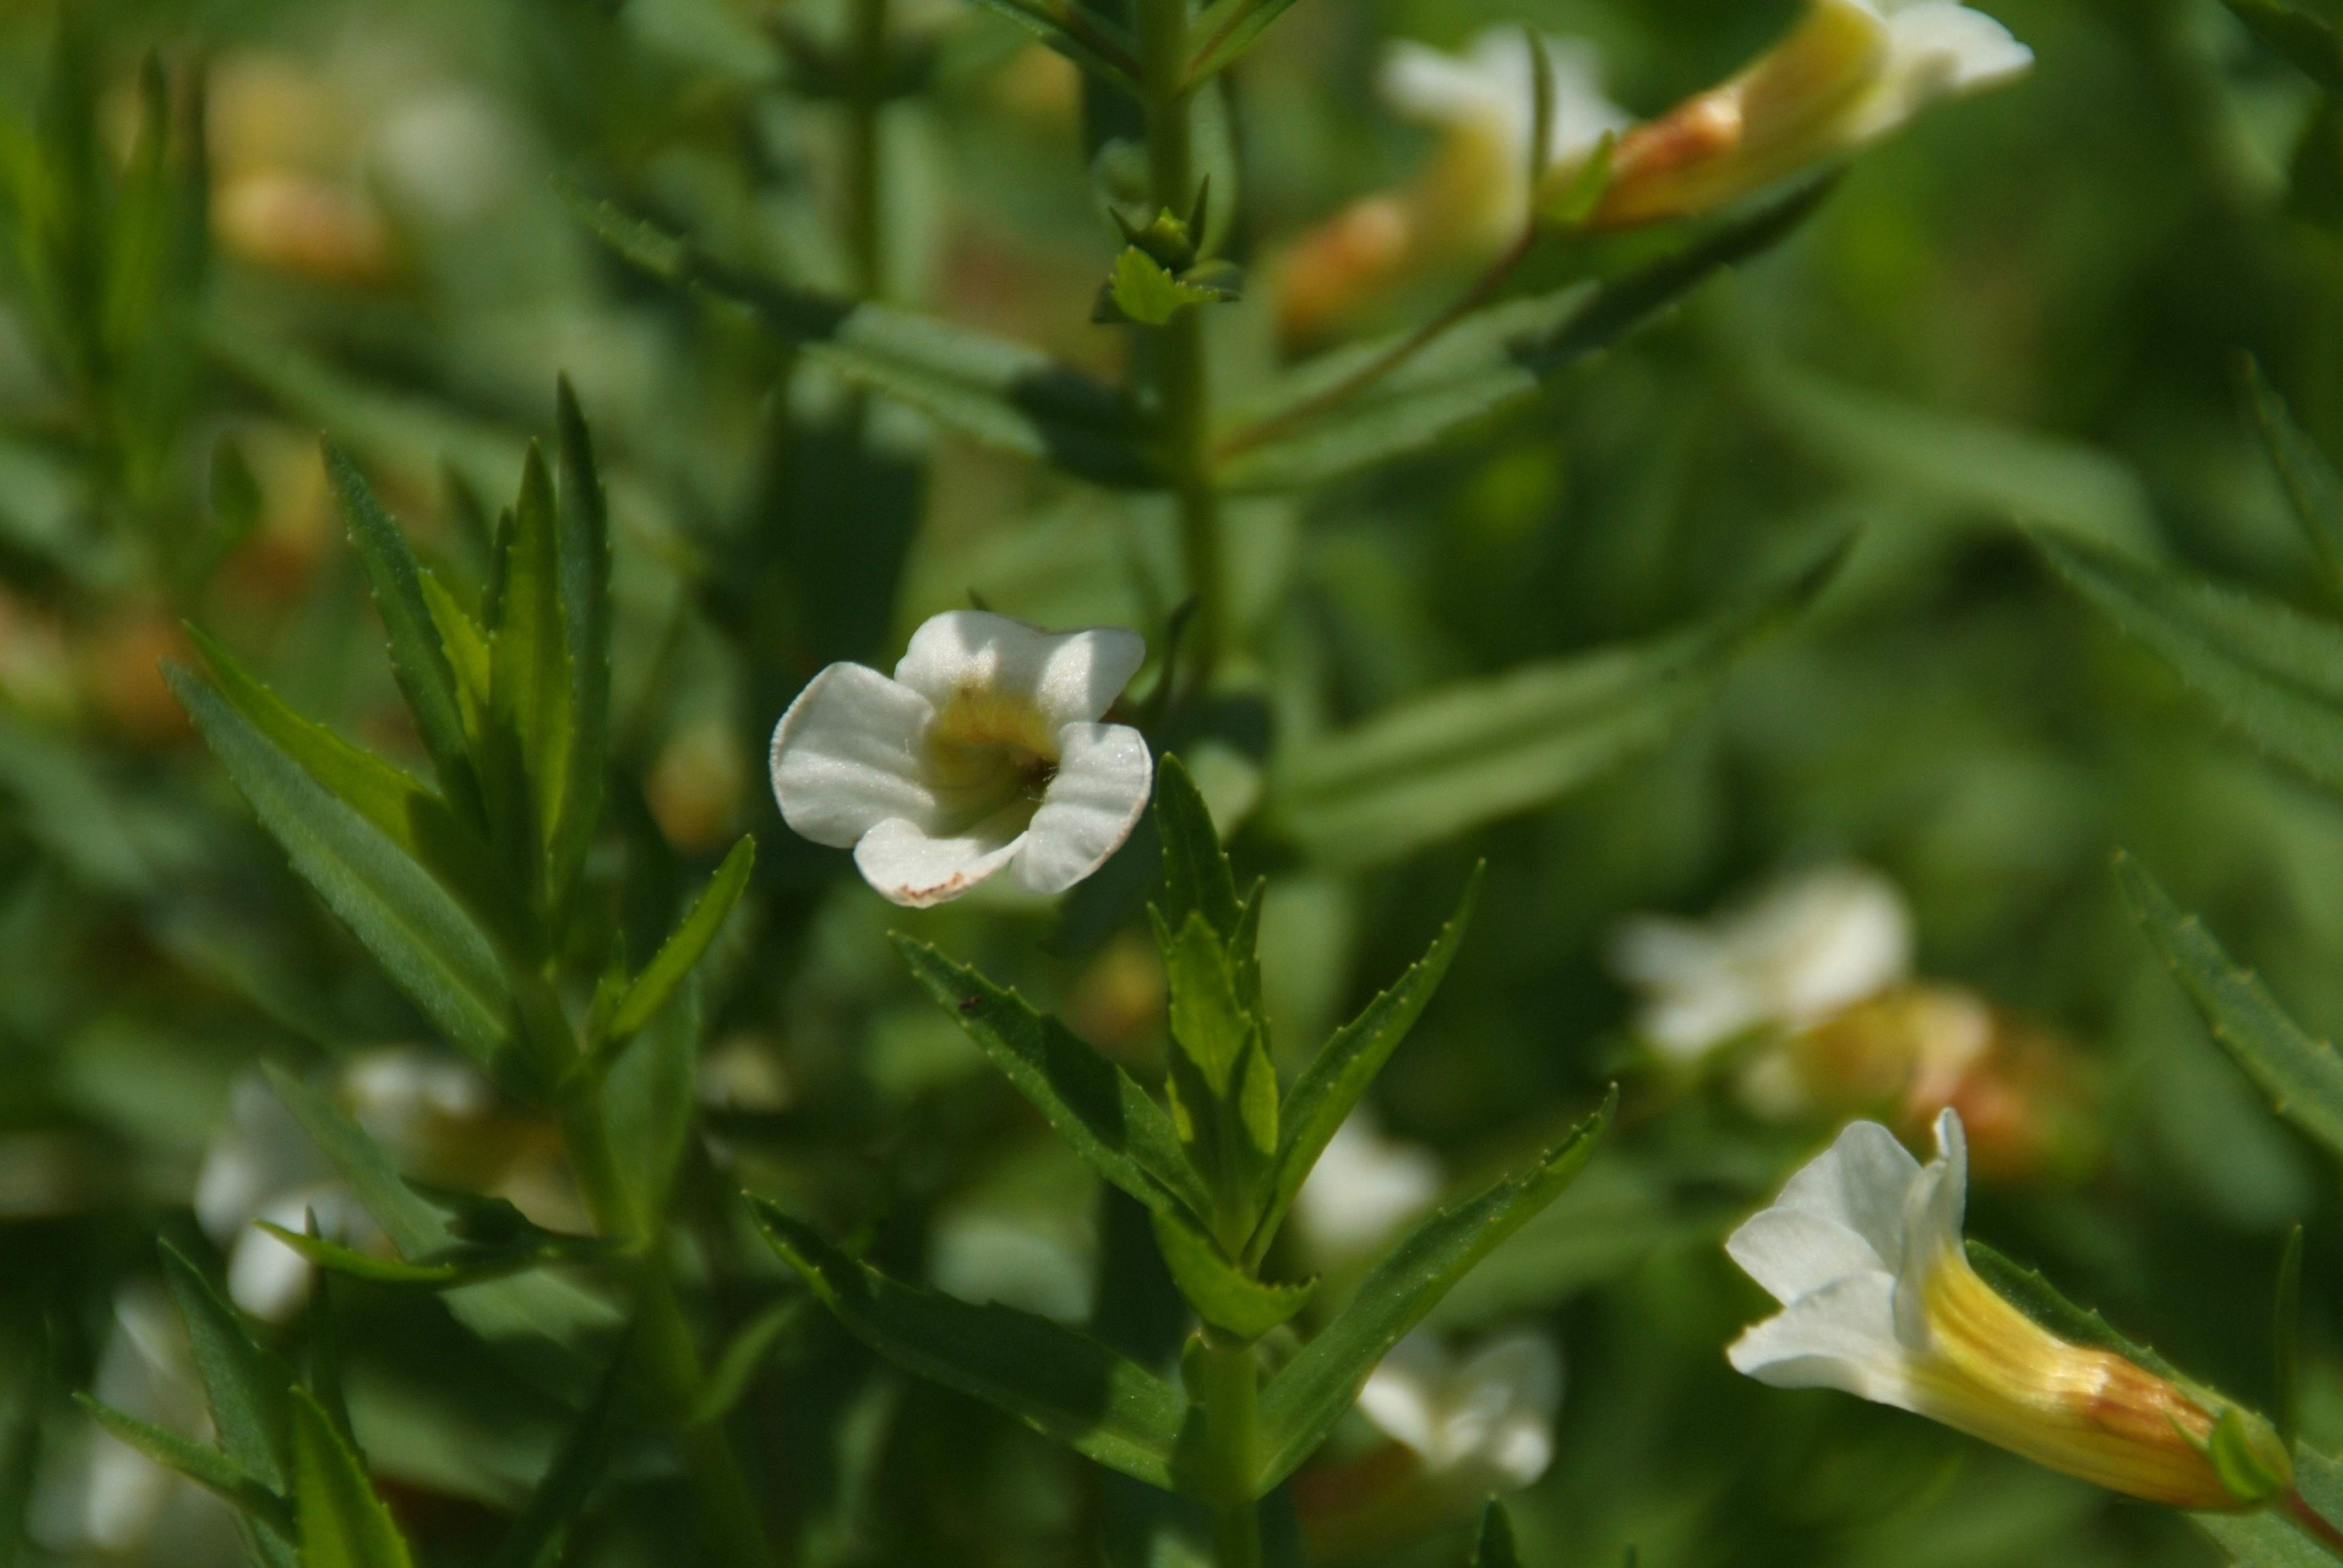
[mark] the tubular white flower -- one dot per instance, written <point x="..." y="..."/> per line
<point x="1864" y="1250"/>
<point x="1854" y="72"/>
<point x="1485" y="1423"/>
<point x="1800" y="952"/>
<point x="983" y="754"/>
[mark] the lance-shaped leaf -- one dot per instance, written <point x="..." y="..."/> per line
<point x="444" y="1270"/>
<point x="343" y="1523"/>
<point x="2306" y="42"/>
<point x="1223" y="1294"/>
<point x="411" y="924"/>
<point x="648" y="1101"/>
<point x="1196" y="876"/>
<point x="682" y="951"/>
<point x="1093" y="1103"/>
<point x="245" y="1386"/>
<point x="1063" y="1384"/>
<point x="1001" y="393"/>
<point x="1311" y="431"/>
<point x="538" y="1536"/>
<point x="585" y="557"/>
<point x="1081" y="34"/>
<point x="2275" y="672"/>
<point x="1225" y="30"/>
<point x="2302" y="1074"/>
<point x="1495" y="1548"/>
<point x="1479" y="750"/>
<point x="526" y="761"/>
<point x="417" y="657"/>
<point x="1328" y="1089"/>
<point x="2311" y="482"/>
<point x="1301" y="1403"/>
<point x="209" y="1468"/>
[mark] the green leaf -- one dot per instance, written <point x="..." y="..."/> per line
<point x="539" y="1535"/>
<point x="1093" y="1103"/>
<point x="1063" y="1384"/>
<point x="343" y="1523"/>
<point x="530" y="679"/>
<point x="1223" y="1294"/>
<point x="1004" y="394"/>
<point x="246" y="1385"/>
<point x="467" y="647"/>
<point x="1225" y="31"/>
<point x="1142" y="291"/>
<point x="207" y="1467"/>
<point x="1495" y="1547"/>
<point x="586" y="617"/>
<point x="1328" y="1089"/>
<point x="2302" y="1075"/>
<point x="1087" y="39"/>
<point x="682" y="951"/>
<point x="2286" y="1341"/>
<point x="2311" y="482"/>
<point x="1197" y="878"/>
<point x="1207" y="1022"/>
<point x="416" y="659"/>
<point x="1302" y="435"/>
<point x="1479" y="750"/>
<point x="2247" y="1457"/>
<point x="2034" y="1295"/>
<point x="1301" y="1403"/>
<point x="2274" y="671"/>
<point x="743" y="1358"/>
<point x="2308" y="42"/>
<point x="648" y="1100"/>
<point x="469" y="1266"/>
<point x="413" y="927"/>
<point x="384" y="796"/>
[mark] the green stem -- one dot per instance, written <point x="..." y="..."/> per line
<point x="1223" y="1377"/>
<point x="669" y="1361"/>
<point x="2313" y="1523"/>
<point x="865" y="223"/>
<point x="1180" y="378"/>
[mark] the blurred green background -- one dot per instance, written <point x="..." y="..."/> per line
<point x="2031" y="306"/>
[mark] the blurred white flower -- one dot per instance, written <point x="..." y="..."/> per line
<point x="1803" y="950"/>
<point x="1864" y="1252"/>
<point x="1363" y="1189"/>
<point x="1458" y="1431"/>
<point x="983" y="754"/>
<point x="1854" y="72"/>
<point x="96" y="1492"/>
<point x="263" y="1165"/>
<point x="1488" y="90"/>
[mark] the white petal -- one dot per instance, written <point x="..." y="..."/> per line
<point x="1488" y="87"/>
<point x="1402" y="1395"/>
<point x="1828" y="940"/>
<point x="1070" y="677"/>
<point x="1104" y="775"/>
<point x="1842" y="1336"/>
<point x="1934" y="1211"/>
<point x="258" y="1150"/>
<point x="1860" y="1181"/>
<point x="1966" y="51"/>
<point x="851" y="753"/>
<point x="1361" y="1188"/>
<point x="909" y="868"/>
<point x="1793" y="1253"/>
<point x="265" y="1277"/>
<point x="1499" y="1408"/>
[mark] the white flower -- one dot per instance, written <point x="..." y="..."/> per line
<point x="1802" y="952"/>
<point x="1864" y="1250"/>
<point x="1854" y="72"/>
<point x="983" y="754"/>
<point x="1486" y="1421"/>
<point x="1364" y="1187"/>
<point x="1488" y="89"/>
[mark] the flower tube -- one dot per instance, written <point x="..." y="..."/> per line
<point x="982" y="755"/>
<point x="1864" y="1250"/>
<point x="1853" y="72"/>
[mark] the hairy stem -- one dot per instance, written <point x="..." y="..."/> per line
<point x="2313" y="1523"/>
<point x="1223" y="1377"/>
<point x="1178" y="374"/>
<point x="669" y="1360"/>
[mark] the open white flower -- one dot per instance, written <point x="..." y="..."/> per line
<point x="1864" y="1250"/>
<point x="1800" y="951"/>
<point x="983" y="754"/>
<point x="1363" y="1189"/>
<point x="1854" y="72"/>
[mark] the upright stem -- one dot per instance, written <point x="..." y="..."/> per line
<point x="669" y="1360"/>
<point x="1223" y="1377"/>
<point x="1180" y="383"/>
<point x="865" y="224"/>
